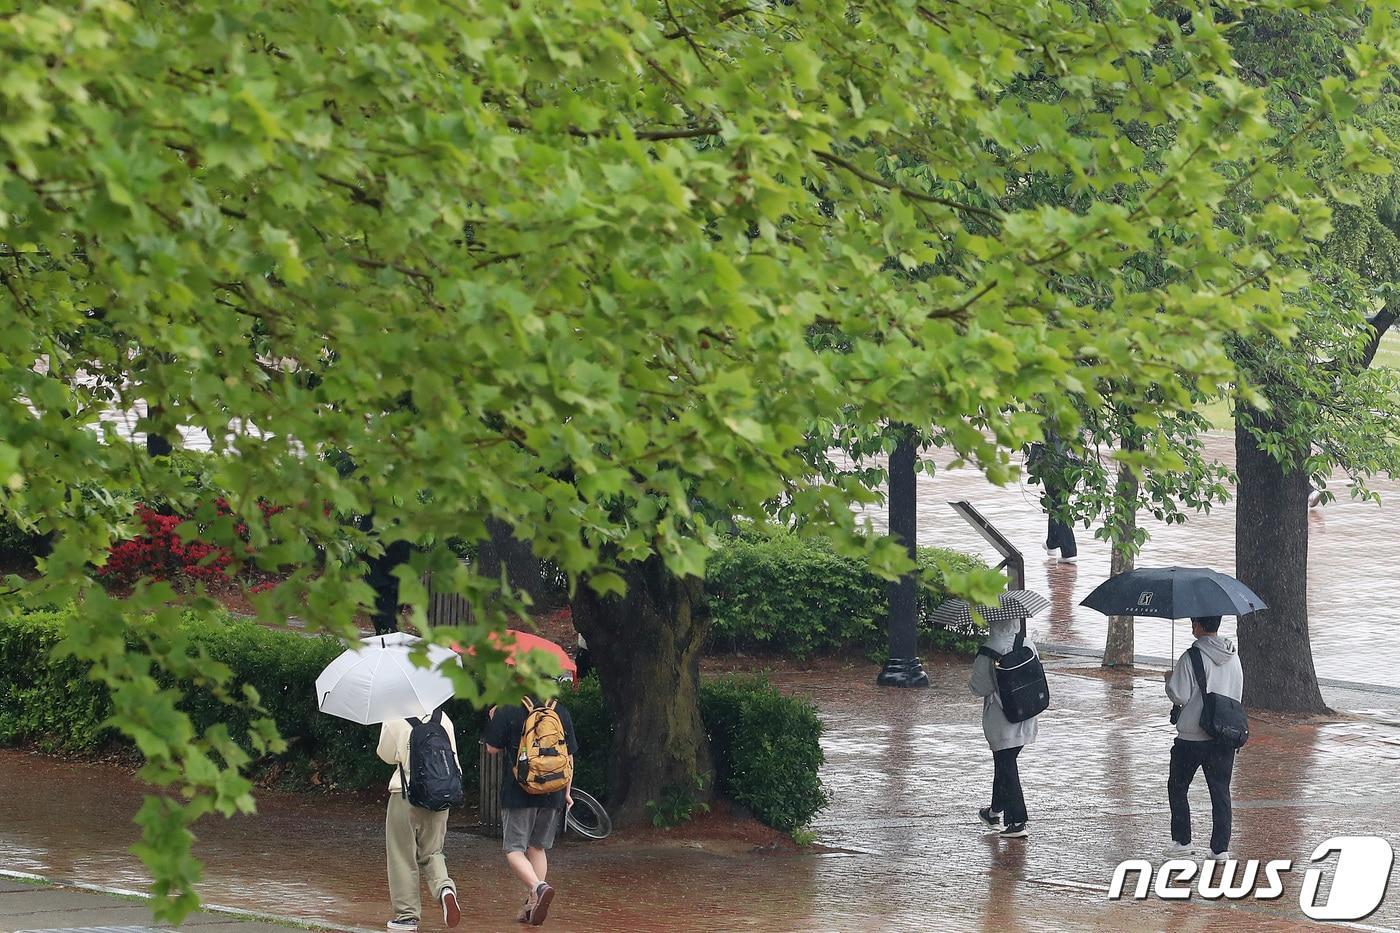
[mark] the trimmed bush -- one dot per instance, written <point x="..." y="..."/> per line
<point x="766" y="749"/>
<point x="766" y="745"/>
<point x="797" y="596"/>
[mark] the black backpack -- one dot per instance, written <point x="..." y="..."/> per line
<point x="1020" y="680"/>
<point x="433" y="782"/>
<point x="1223" y="718"/>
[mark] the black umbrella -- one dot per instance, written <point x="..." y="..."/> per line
<point x="1173" y="593"/>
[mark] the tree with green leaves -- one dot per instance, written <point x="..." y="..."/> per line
<point x="561" y="266"/>
<point x="1314" y="403"/>
<point x="1136" y="463"/>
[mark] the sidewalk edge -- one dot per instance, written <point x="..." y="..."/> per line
<point x="237" y="912"/>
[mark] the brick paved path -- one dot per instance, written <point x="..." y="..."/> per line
<point x="906" y="772"/>
<point x="1353" y="605"/>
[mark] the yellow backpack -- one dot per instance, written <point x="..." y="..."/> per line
<point x="543" y="764"/>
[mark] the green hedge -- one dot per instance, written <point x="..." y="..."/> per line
<point x="795" y="595"/>
<point x="767" y="755"/>
<point x="765" y="745"/>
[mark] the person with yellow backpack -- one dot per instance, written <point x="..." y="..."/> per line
<point x="536" y="792"/>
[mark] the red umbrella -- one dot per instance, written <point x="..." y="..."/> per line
<point x="525" y="641"/>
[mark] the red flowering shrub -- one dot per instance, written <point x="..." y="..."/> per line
<point x="161" y="554"/>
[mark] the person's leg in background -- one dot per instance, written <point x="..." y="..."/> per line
<point x="546" y="825"/>
<point x="1013" y="799"/>
<point x="1219" y="767"/>
<point x="1185" y="760"/>
<point x="430" y="832"/>
<point x="401" y="848"/>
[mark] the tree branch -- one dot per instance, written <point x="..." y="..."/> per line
<point x="876" y="180"/>
<point x="1381" y="323"/>
<point x="358" y="194"/>
<point x="692" y="132"/>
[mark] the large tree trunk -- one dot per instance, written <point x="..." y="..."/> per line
<point x="646" y="647"/>
<point x="379" y="575"/>
<point x="1118" y="649"/>
<point x="522" y="567"/>
<point x="1271" y="558"/>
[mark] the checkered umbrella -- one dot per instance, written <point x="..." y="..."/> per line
<point x="1013" y="606"/>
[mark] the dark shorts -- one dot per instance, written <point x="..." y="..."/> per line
<point x="528" y="828"/>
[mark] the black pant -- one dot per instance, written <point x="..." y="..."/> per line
<point x="1061" y="535"/>
<point x="1218" y="761"/>
<point x="1007" y="798"/>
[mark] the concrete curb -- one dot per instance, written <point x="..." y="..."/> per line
<point x="235" y="912"/>
<point x="1144" y="660"/>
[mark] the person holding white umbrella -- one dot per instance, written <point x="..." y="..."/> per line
<point x="379" y="682"/>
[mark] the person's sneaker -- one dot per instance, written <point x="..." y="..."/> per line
<point x="403" y="925"/>
<point x="451" y="911"/>
<point x="544" y="894"/>
<point x="1070" y="560"/>
<point x="1015" y="831"/>
<point x="989" y="817"/>
<point x="1222" y="856"/>
<point x="1180" y="850"/>
<point x="524" y="915"/>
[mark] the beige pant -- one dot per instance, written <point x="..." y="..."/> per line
<point x="413" y="838"/>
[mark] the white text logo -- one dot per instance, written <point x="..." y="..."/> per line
<point x="1358" y="879"/>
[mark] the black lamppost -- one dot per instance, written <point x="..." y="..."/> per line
<point x="904" y="669"/>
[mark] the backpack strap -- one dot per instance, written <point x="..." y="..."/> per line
<point x="529" y="705"/>
<point x="437" y="716"/>
<point x="550" y="704"/>
<point x="986" y="652"/>
<point x="1021" y="637"/>
<point x="1198" y="665"/>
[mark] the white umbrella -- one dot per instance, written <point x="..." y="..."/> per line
<point x="379" y="681"/>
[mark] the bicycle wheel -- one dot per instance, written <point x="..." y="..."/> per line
<point x="587" y="816"/>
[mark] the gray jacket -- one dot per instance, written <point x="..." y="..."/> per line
<point x="1223" y="676"/>
<point x="1001" y="733"/>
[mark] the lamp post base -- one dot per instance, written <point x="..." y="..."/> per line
<point x="903" y="672"/>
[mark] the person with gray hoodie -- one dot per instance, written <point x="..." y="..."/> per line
<point x="1005" y="738"/>
<point x="1194" y="749"/>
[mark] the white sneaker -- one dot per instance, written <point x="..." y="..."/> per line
<point x="1227" y="855"/>
<point x="1069" y="560"/>
<point x="1179" y="850"/>
<point x="403" y="925"/>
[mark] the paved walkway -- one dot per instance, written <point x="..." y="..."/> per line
<point x="906" y="771"/>
<point x="1354" y="616"/>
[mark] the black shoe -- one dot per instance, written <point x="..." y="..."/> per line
<point x="990" y="818"/>
<point x="1015" y="831"/>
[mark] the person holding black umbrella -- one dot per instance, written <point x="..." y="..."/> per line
<point x="1205" y="685"/>
<point x="1217" y="663"/>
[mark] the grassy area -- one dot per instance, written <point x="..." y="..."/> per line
<point x="1389" y="353"/>
<point x="1219" y="412"/>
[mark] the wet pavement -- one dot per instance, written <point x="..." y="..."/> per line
<point x="1354" y="618"/>
<point x="906" y="772"/>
